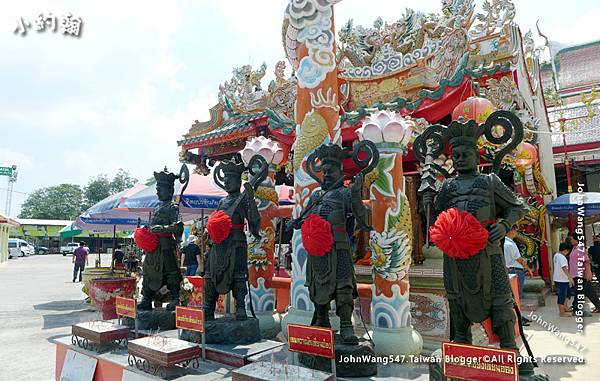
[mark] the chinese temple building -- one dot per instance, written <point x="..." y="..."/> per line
<point x="388" y="83"/>
<point x="575" y="110"/>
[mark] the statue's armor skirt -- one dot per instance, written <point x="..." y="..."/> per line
<point x="227" y="263"/>
<point x="161" y="264"/>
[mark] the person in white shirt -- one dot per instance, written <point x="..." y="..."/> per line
<point x="562" y="278"/>
<point x="516" y="264"/>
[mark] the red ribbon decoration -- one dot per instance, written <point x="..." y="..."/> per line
<point x="316" y="235"/>
<point x="219" y="226"/>
<point x="458" y="234"/>
<point x="145" y="239"/>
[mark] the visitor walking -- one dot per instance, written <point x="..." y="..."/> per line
<point x="190" y="256"/>
<point x="80" y="260"/>
<point x="579" y="267"/>
<point x="562" y="278"/>
<point x="595" y="256"/>
<point x="515" y="263"/>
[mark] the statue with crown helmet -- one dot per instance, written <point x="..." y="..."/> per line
<point x="330" y="270"/>
<point x="227" y="264"/>
<point x="474" y="212"/>
<point x="160" y="264"/>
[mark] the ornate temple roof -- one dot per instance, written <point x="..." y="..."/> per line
<point x="237" y="126"/>
<point x="577" y="66"/>
<point x="582" y="125"/>
<point x="421" y="65"/>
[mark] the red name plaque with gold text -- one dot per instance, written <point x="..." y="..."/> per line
<point x="311" y="340"/>
<point x="471" y="362"/>
<point x="189" y="318"/>
<point x="126" y="307"/>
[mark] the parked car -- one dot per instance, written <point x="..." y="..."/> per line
<point x="19" y="248"/>
<point x="41" y="249"/>
<point x="69" y="248"/>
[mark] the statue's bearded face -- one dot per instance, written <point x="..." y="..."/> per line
<point x="232" y="182"/>
<point x="465" y="158"/>
<point x="332" y="172"/>
<point x="164" y="192"/>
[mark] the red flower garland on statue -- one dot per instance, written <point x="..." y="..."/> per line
<point x="458" y="234"/>
<point x="219" y="226"/>
<point x="316" y="235"/>
<point x="145" y="239"/>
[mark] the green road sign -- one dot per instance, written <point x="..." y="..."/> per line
<point x="6" y="171"/>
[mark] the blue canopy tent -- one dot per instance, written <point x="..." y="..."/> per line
<point x="586" y="203"/>
<point x="105" y="217"/>
<point x="201" y="195"/>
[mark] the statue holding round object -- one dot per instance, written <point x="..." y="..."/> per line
<point x="473" y="108"/>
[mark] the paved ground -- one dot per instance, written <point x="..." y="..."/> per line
<point x="556" y="337"/>
<point x="39" y="302"/>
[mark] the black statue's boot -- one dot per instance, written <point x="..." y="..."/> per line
<point x="344" y="311"/>
<point x="240" y="312"/>
<point x="146" y="303"/>
<point x="209" y="315"/>
<point x="209" y="311"/>
<point x="174" y="301"/>
<point x="240" y="292"/>
<point x="322" y="316"/>
<point x="460" y="330"/>
<point x="506" y="334"/>
<point x="210" y="300"/>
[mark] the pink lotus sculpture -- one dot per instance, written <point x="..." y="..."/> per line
<point x="387" y="127"/>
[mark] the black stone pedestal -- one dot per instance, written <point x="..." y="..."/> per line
<point x="344" y="352"/>
<point x="158" y="318"/>
<point x="226" y="330"/>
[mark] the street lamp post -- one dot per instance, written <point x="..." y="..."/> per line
<point x="11" y="172"/>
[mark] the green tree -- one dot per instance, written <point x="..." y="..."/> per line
<point x="150" y="181"/>
<point x="60" y="202"/>
<point x="97" y="189"/>
<point x="122" y="181"/>
<point x="100" y="187"/>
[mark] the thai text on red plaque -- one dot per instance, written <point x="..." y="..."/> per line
<point x="311" y="340"/>
<point x="189" y="318"/>
<point x="126" y="307"/>
<point x="471" y="362"/>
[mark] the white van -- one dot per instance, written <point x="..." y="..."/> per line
<point x="19" y="248"/>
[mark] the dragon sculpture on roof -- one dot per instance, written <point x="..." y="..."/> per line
<point x="243" y="93"/>
<point x="414" y="36"/>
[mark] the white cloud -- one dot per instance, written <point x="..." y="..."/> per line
<point x="10" y="157"/>
<point x="580" y="30"/>
<point x="176" y="85"/>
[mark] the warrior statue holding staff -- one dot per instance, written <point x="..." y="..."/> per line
<point x="330" y="270"/>
<point x="227" y="265"/>
<point x="160" y="265"/>
<point x="474" y="213"/>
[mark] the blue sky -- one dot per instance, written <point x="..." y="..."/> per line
<point x="122" y="94"/>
